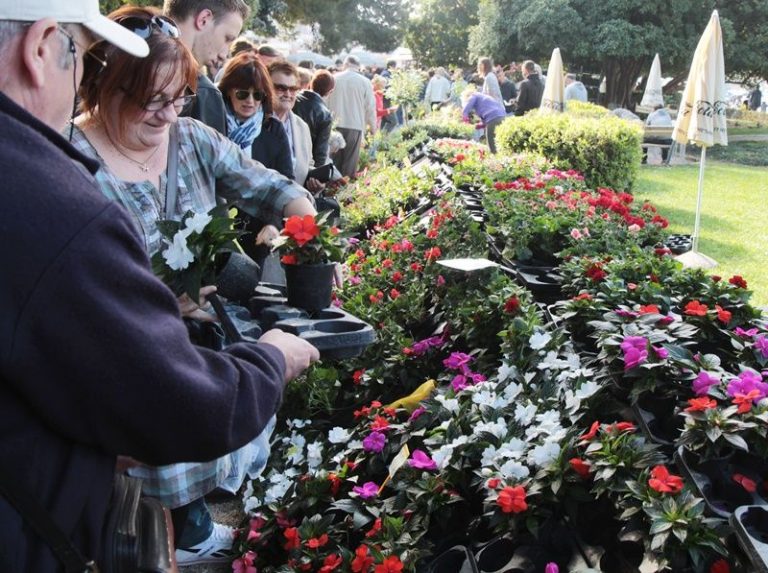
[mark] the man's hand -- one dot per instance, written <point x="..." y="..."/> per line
<point x="190" y="309"/>
<point x="267" y="234"/>
<point x="298" y="353"/>
<point x="314" y="186"/>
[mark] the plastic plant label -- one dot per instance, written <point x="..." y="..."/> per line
<point x="397" y="462"/>
<point x="467" y="265"/>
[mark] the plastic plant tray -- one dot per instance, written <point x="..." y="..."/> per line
<point x="336" y="333"/>
<point x="750" y="522"/>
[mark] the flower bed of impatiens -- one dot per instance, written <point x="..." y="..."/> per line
<point x="477" y="414"/>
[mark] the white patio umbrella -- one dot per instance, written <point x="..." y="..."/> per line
<point x="652" y="95"/>
<point x="553" y="99"/>
<point x="701" y="118"/>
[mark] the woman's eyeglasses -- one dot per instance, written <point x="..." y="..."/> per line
<point x="285" y="89"/>
<point x="143" y="27"/>
<point x="179" y="103"/>
<point x="242" y="95"/>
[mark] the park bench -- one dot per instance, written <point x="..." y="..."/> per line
<point x="654" y="137"/>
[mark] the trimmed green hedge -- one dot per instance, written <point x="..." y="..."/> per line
<point x="437" y="127"/>
<point x="605" y="150"/>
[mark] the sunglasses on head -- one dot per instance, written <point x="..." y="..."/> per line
<point x="285" y="88"/>
<point x="143" y="27"/>
<point x="243" y="95"/>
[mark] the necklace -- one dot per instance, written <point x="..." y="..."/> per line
<point x="144" y="166"/>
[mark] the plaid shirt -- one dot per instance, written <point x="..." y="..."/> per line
<point x="210" y="167"/>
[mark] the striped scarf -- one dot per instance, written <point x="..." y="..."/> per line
<point x="244" y="133"/>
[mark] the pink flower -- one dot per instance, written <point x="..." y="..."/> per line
<point x="457" y="361"/>
<point x="551" y="568"/>
<point x="703" y="382"/>
<point x="440" y="280"/>
<point x="420" y="460"/>
<point x="244" y="564"/>
<point x="416" y="413"/>
<point x="661" y="352"/>
<point x="374" y="442"/>
<point x="748" y="381"/>
<point x="459" y="382"/>
<point x="367" y="490"/>
<point x="761" y="344"/>
<point x="576" y="234"/>
<point x="745" y="333"/>
<point x="635" y="350"/>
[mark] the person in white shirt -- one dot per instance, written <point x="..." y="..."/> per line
<point x="490" y="82"/>
<point x="438" y="90"/>
<point x="353" y="106"/>
<point x="574" y="89"/>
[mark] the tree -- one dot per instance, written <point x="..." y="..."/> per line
<point x="619" y="39"/>
<point x="439" y="34"/>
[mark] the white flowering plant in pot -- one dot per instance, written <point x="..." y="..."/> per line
<point x="187" y="259"/>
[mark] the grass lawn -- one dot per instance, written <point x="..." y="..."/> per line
<point x="733" y="221"/>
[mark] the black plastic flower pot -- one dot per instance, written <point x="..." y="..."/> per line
<point x="751" y="526"/>
<point x="237" y="277"/>
<point x="309" y="287"/>
<point x="457" y="559"/>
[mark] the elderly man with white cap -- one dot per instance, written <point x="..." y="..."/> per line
<point x="95" y="360"/>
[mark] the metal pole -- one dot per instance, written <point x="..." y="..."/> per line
<point x="697" y="224"/>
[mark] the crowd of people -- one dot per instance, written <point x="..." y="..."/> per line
<point x="108" y="126"/>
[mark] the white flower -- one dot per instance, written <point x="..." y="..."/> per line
<point x="505" y="371"/>
<point x="512" y="391"/>
<point x="251" y="503"/>
<point x="497" y="428"/>
<point x="549" y="420"/>
<point x="355" y="445"/>
<point x="489" y="456"/>
<point x="197" y="222"/>
<point x="539" y="340"/>
<point x="551" y="362"/>
<point x="514" y="449"/>
<point x="442" y="456"/>
<point x="450" y="404"/>
<point x="177" y="255"/>
<point x="295" y="453"/>
<point x="338" y="435"/>
<point x="514" y="470"/>
<point x="544" y="454"/>
<point x="298" y="423"/>
<point x="587" y="389"/>
<point x="276" y="492"/>
<point x="314" y="454"/>
<point x="524" y="414"/>
<point x="489" y="399"/>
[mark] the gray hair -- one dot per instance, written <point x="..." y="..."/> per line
<point x="351" y="61"/>
<point x="10" y="29"/>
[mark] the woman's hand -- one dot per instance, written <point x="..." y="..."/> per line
<point x="314" y="186"/>
<point x="197" y="311"/>
<point x="267" y="234"/>
<point x="338" y="275"/>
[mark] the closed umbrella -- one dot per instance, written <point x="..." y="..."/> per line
<point x="652" y="95"/>
<point x="701" y="118"/>
<point x="553" y="99"/>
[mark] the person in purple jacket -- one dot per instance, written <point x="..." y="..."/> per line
<point x="488" y="109"/>
<point x="95" y="360"/>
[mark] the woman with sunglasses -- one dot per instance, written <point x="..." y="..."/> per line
<point x="129" y="123"/>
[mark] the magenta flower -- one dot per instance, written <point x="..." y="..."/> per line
<point x="661" y="352"/>
<point x="421" y="461"/>
<point x="761" y="343"/>
<point x="664" y="320"/>
<point x="745" y="333"/>
<point x="422" y="346"/>
<point x="374" y="442"/>
<point x="551" y="568"/>
<point x="476" y="377"/>
<point x="625" y="313"/>
<point x="440" y="280"/>
<point x="635" y="350"/>
<point x="416" y="413"/>
<point x="367" y="490"/>
<point x="703" y="382"/>
<point x="459" y="382"/>
<point x="746" y="382"/>
<point x="457" y="361"/>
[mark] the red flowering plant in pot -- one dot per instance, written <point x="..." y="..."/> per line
<point x="310" y="249"/>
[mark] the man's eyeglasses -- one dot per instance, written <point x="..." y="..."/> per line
<point x="242" y="95"/>
<point x="285" y="89"/>
<point x="143" y="27"/>
<point x="87" y="51"/>
<point x="179" y="103"/>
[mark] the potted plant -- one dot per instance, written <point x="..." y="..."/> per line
<point x="310" y="249"/>
<point x="197" y="250"/>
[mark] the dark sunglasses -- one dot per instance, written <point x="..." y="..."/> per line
<point x="243" y="95"/>
<point x="285" y="88"/>
<point x="143" y="27"/>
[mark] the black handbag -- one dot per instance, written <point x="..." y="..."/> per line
<point x="138" y="532"/>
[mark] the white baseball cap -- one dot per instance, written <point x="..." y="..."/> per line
<point x="85" y="12"/>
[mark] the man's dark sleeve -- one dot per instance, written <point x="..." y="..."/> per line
<point x="208" y="106"/>
<point x="322" y="141"/>
<point x="103" y="356"/>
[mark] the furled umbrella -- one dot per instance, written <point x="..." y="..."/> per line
<point x="652" y="95"/>
<point x="701" y="118"/>
<point x="553" y="99"/>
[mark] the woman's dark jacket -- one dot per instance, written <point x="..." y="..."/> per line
<point x="272" y="149"/>
<point x="311" y="108"/>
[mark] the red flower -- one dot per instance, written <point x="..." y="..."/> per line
<point x="375" y="528"/>
<point x="512" y="306"/>
<point x="331" y="563"/>
<point x="580" y="467"/>
<point x="432" y="233"/>
<point x="649" y="309"/>
<point x="592" y="432"/>
<point x="583" y="296"/>
<point x="720" y="566"/>
<point x="394" y="293"/>
<point x="596" y="273"/>
<point x="397" y="276"/>
<point x="387" y="263"/>
<point x="417" y="267"/>
<point x="723" y="316"/>
<point x="716" y="278"/>
<point x="301" y="229"/>
<point x="701" y="404"/>
<point x="738" y="281"/>
<point x="391" y="564"/>
<point x="664" y="482"/>
<point x="748" y="484"/>
<point x="318" y="542"/>
<point x="292" y="539"/>
<point x="432" y="253"/>
<point x="624" y="427"/>
<point x="289" y="259"/>
<point x="379" y="424"/>
<point x="357" y="376"/>
<point x="335" y="483"/>
<point x="512" y="499"/>
<point x="493" y="483"/>
<point x="695" y="308"/>
<point x="744" y="401"/>
<point x="361" y="563"/>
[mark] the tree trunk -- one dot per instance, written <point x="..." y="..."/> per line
<point x="621" y="75"/>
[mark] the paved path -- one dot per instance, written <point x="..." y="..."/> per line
<point x="747" y="137"/>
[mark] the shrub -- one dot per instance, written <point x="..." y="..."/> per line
<point x="578" y="108"/>
<point x="606" y="150"/>
<point x="438" y="126"/>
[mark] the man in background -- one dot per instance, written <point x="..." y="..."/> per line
<point x="574" y="89"/>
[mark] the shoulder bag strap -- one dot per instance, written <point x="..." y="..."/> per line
<point x="39" y="518"/>
<point x="172" y="172"/>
